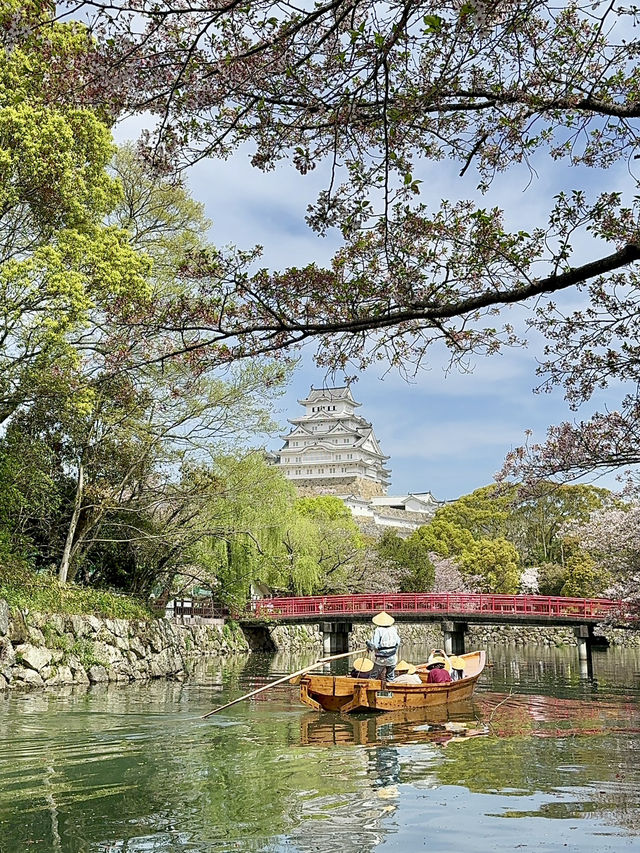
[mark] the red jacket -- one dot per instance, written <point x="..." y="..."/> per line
<point x="438" y="676"/>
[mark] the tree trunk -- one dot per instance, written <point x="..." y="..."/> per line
<point x="63" y="571"/>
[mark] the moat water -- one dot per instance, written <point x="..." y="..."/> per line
<point x="540" y="760"/>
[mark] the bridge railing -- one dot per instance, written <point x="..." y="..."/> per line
<point x="445" y="603"/>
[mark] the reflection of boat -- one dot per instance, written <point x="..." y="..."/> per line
<point x="345" y="694"/>
<point x="415" y="725"/>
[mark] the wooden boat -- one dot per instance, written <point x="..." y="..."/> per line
<point x="345" y="694"/>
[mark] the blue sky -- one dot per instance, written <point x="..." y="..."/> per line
<point x="447" y="434"/>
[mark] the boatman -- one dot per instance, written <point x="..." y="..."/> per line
<point x="385" y="642"/>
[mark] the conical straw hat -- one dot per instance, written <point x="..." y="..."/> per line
<point x="383" y="619"/>
<point x="404" y="666"/>
<point x="457" y="662"/>
<point x="363" y="664"/>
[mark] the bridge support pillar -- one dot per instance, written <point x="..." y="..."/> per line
<point x="584" y="638"/>
<point x="335" y="637"/>
<point x="453" y="633"/>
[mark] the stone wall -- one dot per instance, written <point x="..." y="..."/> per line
<point x="39" y="650"/>
<point x="522" y="635"/>
<point x="300" y="638"/>
<point x="338" y="486"/>
<point x="296" y="638"/>
<point x="421" y="633"/>
<point x="284" y="638"/>
<point x="478" y="636"/>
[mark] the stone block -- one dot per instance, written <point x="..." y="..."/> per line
<point x="136" y="646"/>
<point x="36" y="637"/>
<point x="94" y="624"/>
<point x="55" y="622"/>
<point x="97" y="674"/>
<point x="7" y="652"/>
<point x="18" y="631"/>
<point x="4" y="617"/>
<point x="33" y="657"/>
<point x="63" y="676"/>
<point x="121" y="642"/>
<point x="79" y="626"/>
<point x="80" y="676"/>
<point x="23" y="677"/>
<point x="105" y="653"/>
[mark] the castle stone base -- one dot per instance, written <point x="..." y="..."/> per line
<point x="339" y="487"/>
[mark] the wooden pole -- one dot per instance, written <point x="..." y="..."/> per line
<point x="282" y="680"/>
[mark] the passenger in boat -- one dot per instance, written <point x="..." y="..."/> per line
<point x="406" y="673"/>
<point x="385" y="642"/>
<point x="457" y="667"/>
<point x="437" y="672"/>
<point x="362" y="668"/>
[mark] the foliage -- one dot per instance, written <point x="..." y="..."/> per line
<point x="493" y="564"/>
<point x="22" y="588"/>
<point x="443" y="537"/>
<point x="484" y="513"/>
<point x="610" y="557"/>
<point x="410" y="561"/>
<point x="59" y="261"/>
<point x="585" y="579"/>
<point x="375" y="93"/>
<point x="303" y="545"/>
<point x="551" y="578"/>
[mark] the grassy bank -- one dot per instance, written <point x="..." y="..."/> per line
<point x="21" y="588"/>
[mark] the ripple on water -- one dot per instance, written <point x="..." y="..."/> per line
<point x="537" y="759"/>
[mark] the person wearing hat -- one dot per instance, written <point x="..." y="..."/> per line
<point x="362" y="668"/>
<point x="457" y="667"/>
<point x="437" y="672"/>
<point x="406" y="673"/>
<point x="385" y="642"/>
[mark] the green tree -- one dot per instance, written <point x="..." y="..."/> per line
<point x="59" y="261"/>
<point x="585" y="578"/>
<point x="493" y="564"/>
<point x="542" y="509"/>
<point x="411" y="567"/>
<point x="485" y="513"/>
<point x="443" y="537"/>
<point x="551" y="578"/>
<point x="323" y="538"/>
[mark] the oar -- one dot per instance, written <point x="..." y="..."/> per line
<point x="282" y="680"/>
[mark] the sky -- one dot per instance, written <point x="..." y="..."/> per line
<point x="444" y="433"/>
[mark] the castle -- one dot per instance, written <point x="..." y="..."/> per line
<point x="332" y="450"/>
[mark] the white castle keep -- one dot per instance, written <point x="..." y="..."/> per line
<point x="331" y="449"/>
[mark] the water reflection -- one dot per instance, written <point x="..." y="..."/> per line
<point x="135" y="768"/>
<point x="417" y="725"/>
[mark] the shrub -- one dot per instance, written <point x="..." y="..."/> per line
<point x="24" y="589"/>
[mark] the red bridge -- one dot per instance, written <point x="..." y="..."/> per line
<point x="417" y="607"/>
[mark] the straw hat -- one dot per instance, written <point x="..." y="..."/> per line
<point x="363" y="665"/>
<point x="403" y="666"/>
<point x="434" y="659"/>
<point x="383" y="619"/>
<point x="457" y="662"/>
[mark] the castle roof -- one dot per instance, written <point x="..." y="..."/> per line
<point x="342" y="392"/>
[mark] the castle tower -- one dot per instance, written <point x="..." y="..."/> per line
<point x="331" y="450"/>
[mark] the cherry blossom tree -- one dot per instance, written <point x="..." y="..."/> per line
<point x="371" y="91"/>
<point x="611" y="537"/>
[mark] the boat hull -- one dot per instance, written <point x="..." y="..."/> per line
<point x="346" y="695"/>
